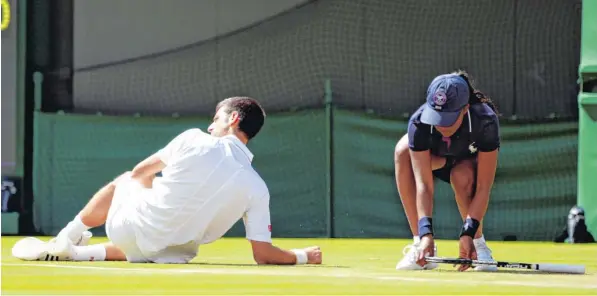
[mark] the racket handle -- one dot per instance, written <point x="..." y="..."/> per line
<point x="561" y="268"/>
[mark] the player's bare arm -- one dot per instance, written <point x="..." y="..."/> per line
<point x="421" y="164"/>
<point x="258" y="229"/>
<point x="145" y="171"/>
<point x="266" y="253"/>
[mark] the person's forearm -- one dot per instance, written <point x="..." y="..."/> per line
<point x="425" y="202"/>
<point x="425" y="211"/>
<point x="141" y="172"/>
<point x="276" y="256"/>
<point x="144" y="172"/>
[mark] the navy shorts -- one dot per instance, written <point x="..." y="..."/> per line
<point x="444" y="173"/>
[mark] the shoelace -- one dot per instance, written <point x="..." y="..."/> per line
<point x="407" y="248"/>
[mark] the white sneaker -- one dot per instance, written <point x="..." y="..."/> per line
<point x="484" y="254"/>
<point x="61" y="247"/>
<point x="409" y="261"/>
<point x="33" y="249"/>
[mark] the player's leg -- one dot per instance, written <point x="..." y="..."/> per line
<point x="120" y="230"/>
<point x="462" y="180"/>
<point x="94" y="214"/>
<point x="112" y="205"/>
<point x="62" y="249"/>
<point x="405" y="182"/>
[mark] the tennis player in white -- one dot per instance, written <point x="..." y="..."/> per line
<point x="207" y="185"/>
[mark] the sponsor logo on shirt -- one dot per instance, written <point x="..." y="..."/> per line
<point x="472" y="148"/>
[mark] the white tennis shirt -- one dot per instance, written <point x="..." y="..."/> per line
<point x="207" y="186"/>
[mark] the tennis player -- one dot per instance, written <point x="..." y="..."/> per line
<point x="207" y="185"/>
<point x="453" y="137"/>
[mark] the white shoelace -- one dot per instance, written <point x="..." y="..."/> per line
<point x="407" y="248"/>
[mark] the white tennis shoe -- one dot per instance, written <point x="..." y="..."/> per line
<point x="484" y="254"/>
<point x="57" y="249"/>
<point x="409" y="261"/>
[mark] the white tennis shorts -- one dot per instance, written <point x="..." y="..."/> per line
<point x="122" y="225"/>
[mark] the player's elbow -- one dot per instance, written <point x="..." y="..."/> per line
<point x="260" y="259"/>
<point x="264" y="253"/>
<point x="136" y="173"/>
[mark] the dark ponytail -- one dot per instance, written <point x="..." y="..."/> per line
<point x="476" y="96"/>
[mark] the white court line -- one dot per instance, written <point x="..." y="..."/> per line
<point x="303" y="272"/>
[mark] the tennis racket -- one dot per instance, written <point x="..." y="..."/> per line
<point x="543" y="267"/>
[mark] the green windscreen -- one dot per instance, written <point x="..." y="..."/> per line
<point x="534" y="188"/>
<point x="587" y="104"/>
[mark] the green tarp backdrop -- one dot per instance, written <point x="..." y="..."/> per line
<point x="535" y="186"/>
<point x="587" y="122"/>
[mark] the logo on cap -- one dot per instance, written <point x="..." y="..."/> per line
<point x="439" y="99"/>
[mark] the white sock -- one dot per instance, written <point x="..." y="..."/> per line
<point x="480" y="240"/>
<point x="416" y="239"/>
<point x="74" y="229"/>
<point x="89" y="253"/>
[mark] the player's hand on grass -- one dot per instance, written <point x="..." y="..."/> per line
<point x="426" y="248"/>
<point x="467" y="251"/>
<point x="313" y="255"/>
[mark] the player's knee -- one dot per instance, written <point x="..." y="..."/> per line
<point x="401" y="151"/>
<point x="462" y="179"/>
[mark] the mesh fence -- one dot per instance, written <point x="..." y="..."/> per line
<point x="280" y="62"/>
<point x="379" y="54"/>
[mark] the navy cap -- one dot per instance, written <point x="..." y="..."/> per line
<point x="446" y="96"/>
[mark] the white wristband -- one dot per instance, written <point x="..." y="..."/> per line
<point x="301" y="256"/>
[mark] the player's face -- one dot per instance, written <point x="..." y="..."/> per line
<point x="448" y="131"/>
<point x="222" y="123"/>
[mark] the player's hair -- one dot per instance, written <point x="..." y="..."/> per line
<point x="476" y="96"/>
<point x="251" y="115"/>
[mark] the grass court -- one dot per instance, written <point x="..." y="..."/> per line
<point x="351" y="266"/>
